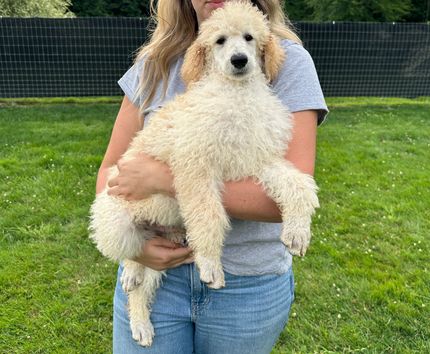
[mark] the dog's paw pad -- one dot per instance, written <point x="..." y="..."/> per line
<point x="131" y="279"/>
<point x="143" y="333"/>
<point x="210" y="272"/>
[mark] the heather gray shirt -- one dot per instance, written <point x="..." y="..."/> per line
<point x="251" y="248"/>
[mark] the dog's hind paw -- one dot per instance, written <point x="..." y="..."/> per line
<point x="131" y="278"/>
<point x="142" y="332"/>
<point x="296" y="235"/>
<point x="210" y="272"/>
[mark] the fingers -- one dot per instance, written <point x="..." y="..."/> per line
<point x="183" y="260"/>
<point x="160" y="254"/>
<point x="113" y="182"/>
<point x="188" y="260"/>
<point x="113" y="185"/>
<point x="180" y="253"/>
<point x="163" y="242"/>
<point x="114" y="191"/>
<point x="173" y="255"/>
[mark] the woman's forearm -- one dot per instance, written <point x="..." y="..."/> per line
<point x="102" y="179"/>
<point x="247" y="200"/>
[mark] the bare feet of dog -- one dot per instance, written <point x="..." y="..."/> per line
<point x="296" y="234"/>
<point x="210" y="272"/>
<point x="142" y="332"/>
<point x="132" y="276"/>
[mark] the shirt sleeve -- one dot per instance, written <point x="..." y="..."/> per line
<point x="297" y="84"/>
<point x="129" y="83"/>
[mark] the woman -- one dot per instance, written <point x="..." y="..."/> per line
<point x="247" y="315"/>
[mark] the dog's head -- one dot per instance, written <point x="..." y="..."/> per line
<point x="235" y="41"/>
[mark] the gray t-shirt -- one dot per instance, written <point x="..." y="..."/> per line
<point x="251" y="248"/>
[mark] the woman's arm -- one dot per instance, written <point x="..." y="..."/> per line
<point x="243" y="199"/>
<point x="126" y="126"/>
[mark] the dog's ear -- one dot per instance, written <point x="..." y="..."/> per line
<point x="194" y="63"/>
<point x="273" y="57"/>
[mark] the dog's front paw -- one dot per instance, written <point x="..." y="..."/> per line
<point x="210" y="272"/>
<point x="296" y="234"/>
<point x="131" y="278"/>
<point x="142" y="332"/>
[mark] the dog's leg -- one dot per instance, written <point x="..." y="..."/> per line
<point x="206" y="222"/>
<point x="295" y="194"/>
<point x="132" y="275"/>
<point x="140" y="300"/>
<point x="113" y="229"/>
<point x="158" y="209"/>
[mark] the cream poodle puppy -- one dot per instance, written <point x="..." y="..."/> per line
<point x="227" y="126"/>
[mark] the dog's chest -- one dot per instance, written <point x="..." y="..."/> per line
<point x="233" y="132"/>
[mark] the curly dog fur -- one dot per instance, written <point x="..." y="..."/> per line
<point x="226" y="126"/>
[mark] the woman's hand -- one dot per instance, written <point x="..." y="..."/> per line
<point x="160" y="254"/>
<point x="141" y="177"/>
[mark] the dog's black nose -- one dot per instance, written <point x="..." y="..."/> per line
<point x="239" y="60"/>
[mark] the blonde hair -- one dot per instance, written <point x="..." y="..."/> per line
<point x="176" y="27"/>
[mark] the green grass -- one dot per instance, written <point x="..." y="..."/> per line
<point x="363" y="287"/>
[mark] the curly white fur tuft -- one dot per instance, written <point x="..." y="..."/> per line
<point x="113" y="230"/>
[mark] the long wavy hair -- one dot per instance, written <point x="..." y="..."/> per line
<point x="175" y="27"/>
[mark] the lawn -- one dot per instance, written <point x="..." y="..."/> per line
<point x="363" y="287"/>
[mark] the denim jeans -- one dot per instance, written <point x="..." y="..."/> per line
<point x="245" y="317"/>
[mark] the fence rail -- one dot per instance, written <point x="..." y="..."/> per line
<point x="86" y="56"/>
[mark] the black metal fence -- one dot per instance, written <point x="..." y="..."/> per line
<point x="66" y="57"/>
<point x="370" y="59"/>
<point x="86" y="56"/>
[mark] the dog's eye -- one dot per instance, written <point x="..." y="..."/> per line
<point x="220" y="40"/>
<point x="248" y="37"/>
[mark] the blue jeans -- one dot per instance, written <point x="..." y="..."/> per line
<point x="246" y="316"/>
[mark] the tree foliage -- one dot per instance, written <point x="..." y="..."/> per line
<point x="298" y="10"/>
<point x="35" y="8"/>
<point x="305" y="10"/>
<point x="420" y="11"/>
<point x="358" y="10"/>
<point x="102" y="8"/>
